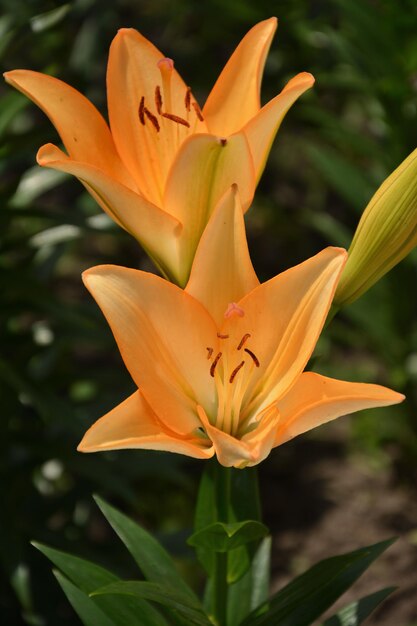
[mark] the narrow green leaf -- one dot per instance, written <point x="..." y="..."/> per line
<point x="166" y="596"/>
<point x="220" y="537"/>
<point x="356" y="612"/>
<point x="88" y="576"/>
<point x="252" y="589"/>
<point x="306" y="597"/>
<point x="151" y="557"/>
<point x="87" y="610"/>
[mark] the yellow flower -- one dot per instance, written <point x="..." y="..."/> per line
<point x="220" y="364"/>
<point x="163" y="165"/>
<point x="386" y="233"/>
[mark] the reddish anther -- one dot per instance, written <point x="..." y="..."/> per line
<point x="198" y="111"/>
<point x="253" y="356"/>
<point x="158" y="99"/>
<point x="209" y="352"/>
<point x="243" y="341"/>
<point x="220" y="336"/>
<point x="187" y="100"/>
<point x="235" y="371"/>
<point x="214" y="364"/>
<point x="176" y="118"/>
<point x="142" y="110"/>
<point x="152" y="118"/>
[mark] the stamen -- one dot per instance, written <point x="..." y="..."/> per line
<point x="220" y="336"/>
<point x="198" y="111"/>
<point x="209" y="353"/>
<point x="243" y="341"/>
<point x="253" y="356"/>
<point x="213" y="365"/>
<point x="235" y="371"/>
<point x="152" y="118"/>
<point x="142" y="110"/>
<point x="187" y="100"/>
<point x="233" y="309"/>
<point x="176" y="118"/>
<point x="158" y="99"/>
<point x="222" y="141"/>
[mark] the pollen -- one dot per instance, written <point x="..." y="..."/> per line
<point x="177" y="119"/>
<point x="214" y="364"/>
<point x="243" y="341"/>
<point x="158" y="99"/>
<point x="209" y="353"/>
<point x="235" y="371"/>
<point x="198" y="111"/>
<point x="187" y="99"/>
<point x="142" y="110"/>
<point x="152" y="118"/>
<point x="253" y="356"/>
<point x="220" y="336"/>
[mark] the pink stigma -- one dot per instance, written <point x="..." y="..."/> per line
<point x="166" y="64"/>
<point x="233" y="310"/>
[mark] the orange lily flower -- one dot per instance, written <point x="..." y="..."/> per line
<point x="163" y="165"/>
<point x="220" y="364"/>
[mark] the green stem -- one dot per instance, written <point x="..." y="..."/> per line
<point x="220" y="589"/>
<point x="223" y="487"/>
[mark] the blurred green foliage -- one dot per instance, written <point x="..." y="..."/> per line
<point x="59" y="368"/>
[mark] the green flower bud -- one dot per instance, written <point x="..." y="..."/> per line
<point x="386" y="233"/>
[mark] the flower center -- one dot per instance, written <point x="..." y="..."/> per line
<point x="162" y="117"/>
<point x="231" y="367"/>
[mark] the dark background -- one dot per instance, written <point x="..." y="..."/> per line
<point x="347" y="484"/>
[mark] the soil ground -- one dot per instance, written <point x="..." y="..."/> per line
<point x="326" y="502"/>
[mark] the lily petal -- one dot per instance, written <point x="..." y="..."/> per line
<point x="252" y="448"/>
<point x="132" y="74"/>
<point x="222" y="270"/>
<point x="168" y="364"/>
<point x="82" y="129"/>
<point x="153" y="228"/>
<point x="315" y="400"/>
<point x="133" y="424"/>
<point x="284" y="317"/>
<point x="204" y="168"/>
<point x="262" y="128"/>
<point x="235" y="98"/>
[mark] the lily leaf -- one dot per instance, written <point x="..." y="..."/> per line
<point x="306" y="597"/>
<point x="252" y="588"/>
<point x="166" y="596"/>
<point x="220" y="537"/>
<point x="87" y="577"/>
<point x="356" y="612"/>
<point x="153" y="560"/>
<point x="86" y="609"/>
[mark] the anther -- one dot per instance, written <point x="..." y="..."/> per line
<point x="142" y="110"/>
<point x="176" y="118"/>
<point x="253" y="356"/>
<point x="187" y="99"/>
<point x="152" y="118"/>
<point x="235" y="371"/>
<point x="158" y="99"/>
<point x="220" y="336"/>
<point x="222" y="141"/>
<point x="198" y="111"/>
<point x="209" y="353"/>
<point x="213" y="365"/>
<point x="243" y="341"/>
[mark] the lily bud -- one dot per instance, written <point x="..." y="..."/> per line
<point x="386" y="233"/>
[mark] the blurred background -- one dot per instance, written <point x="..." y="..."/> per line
<point x="342" y="486"/>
